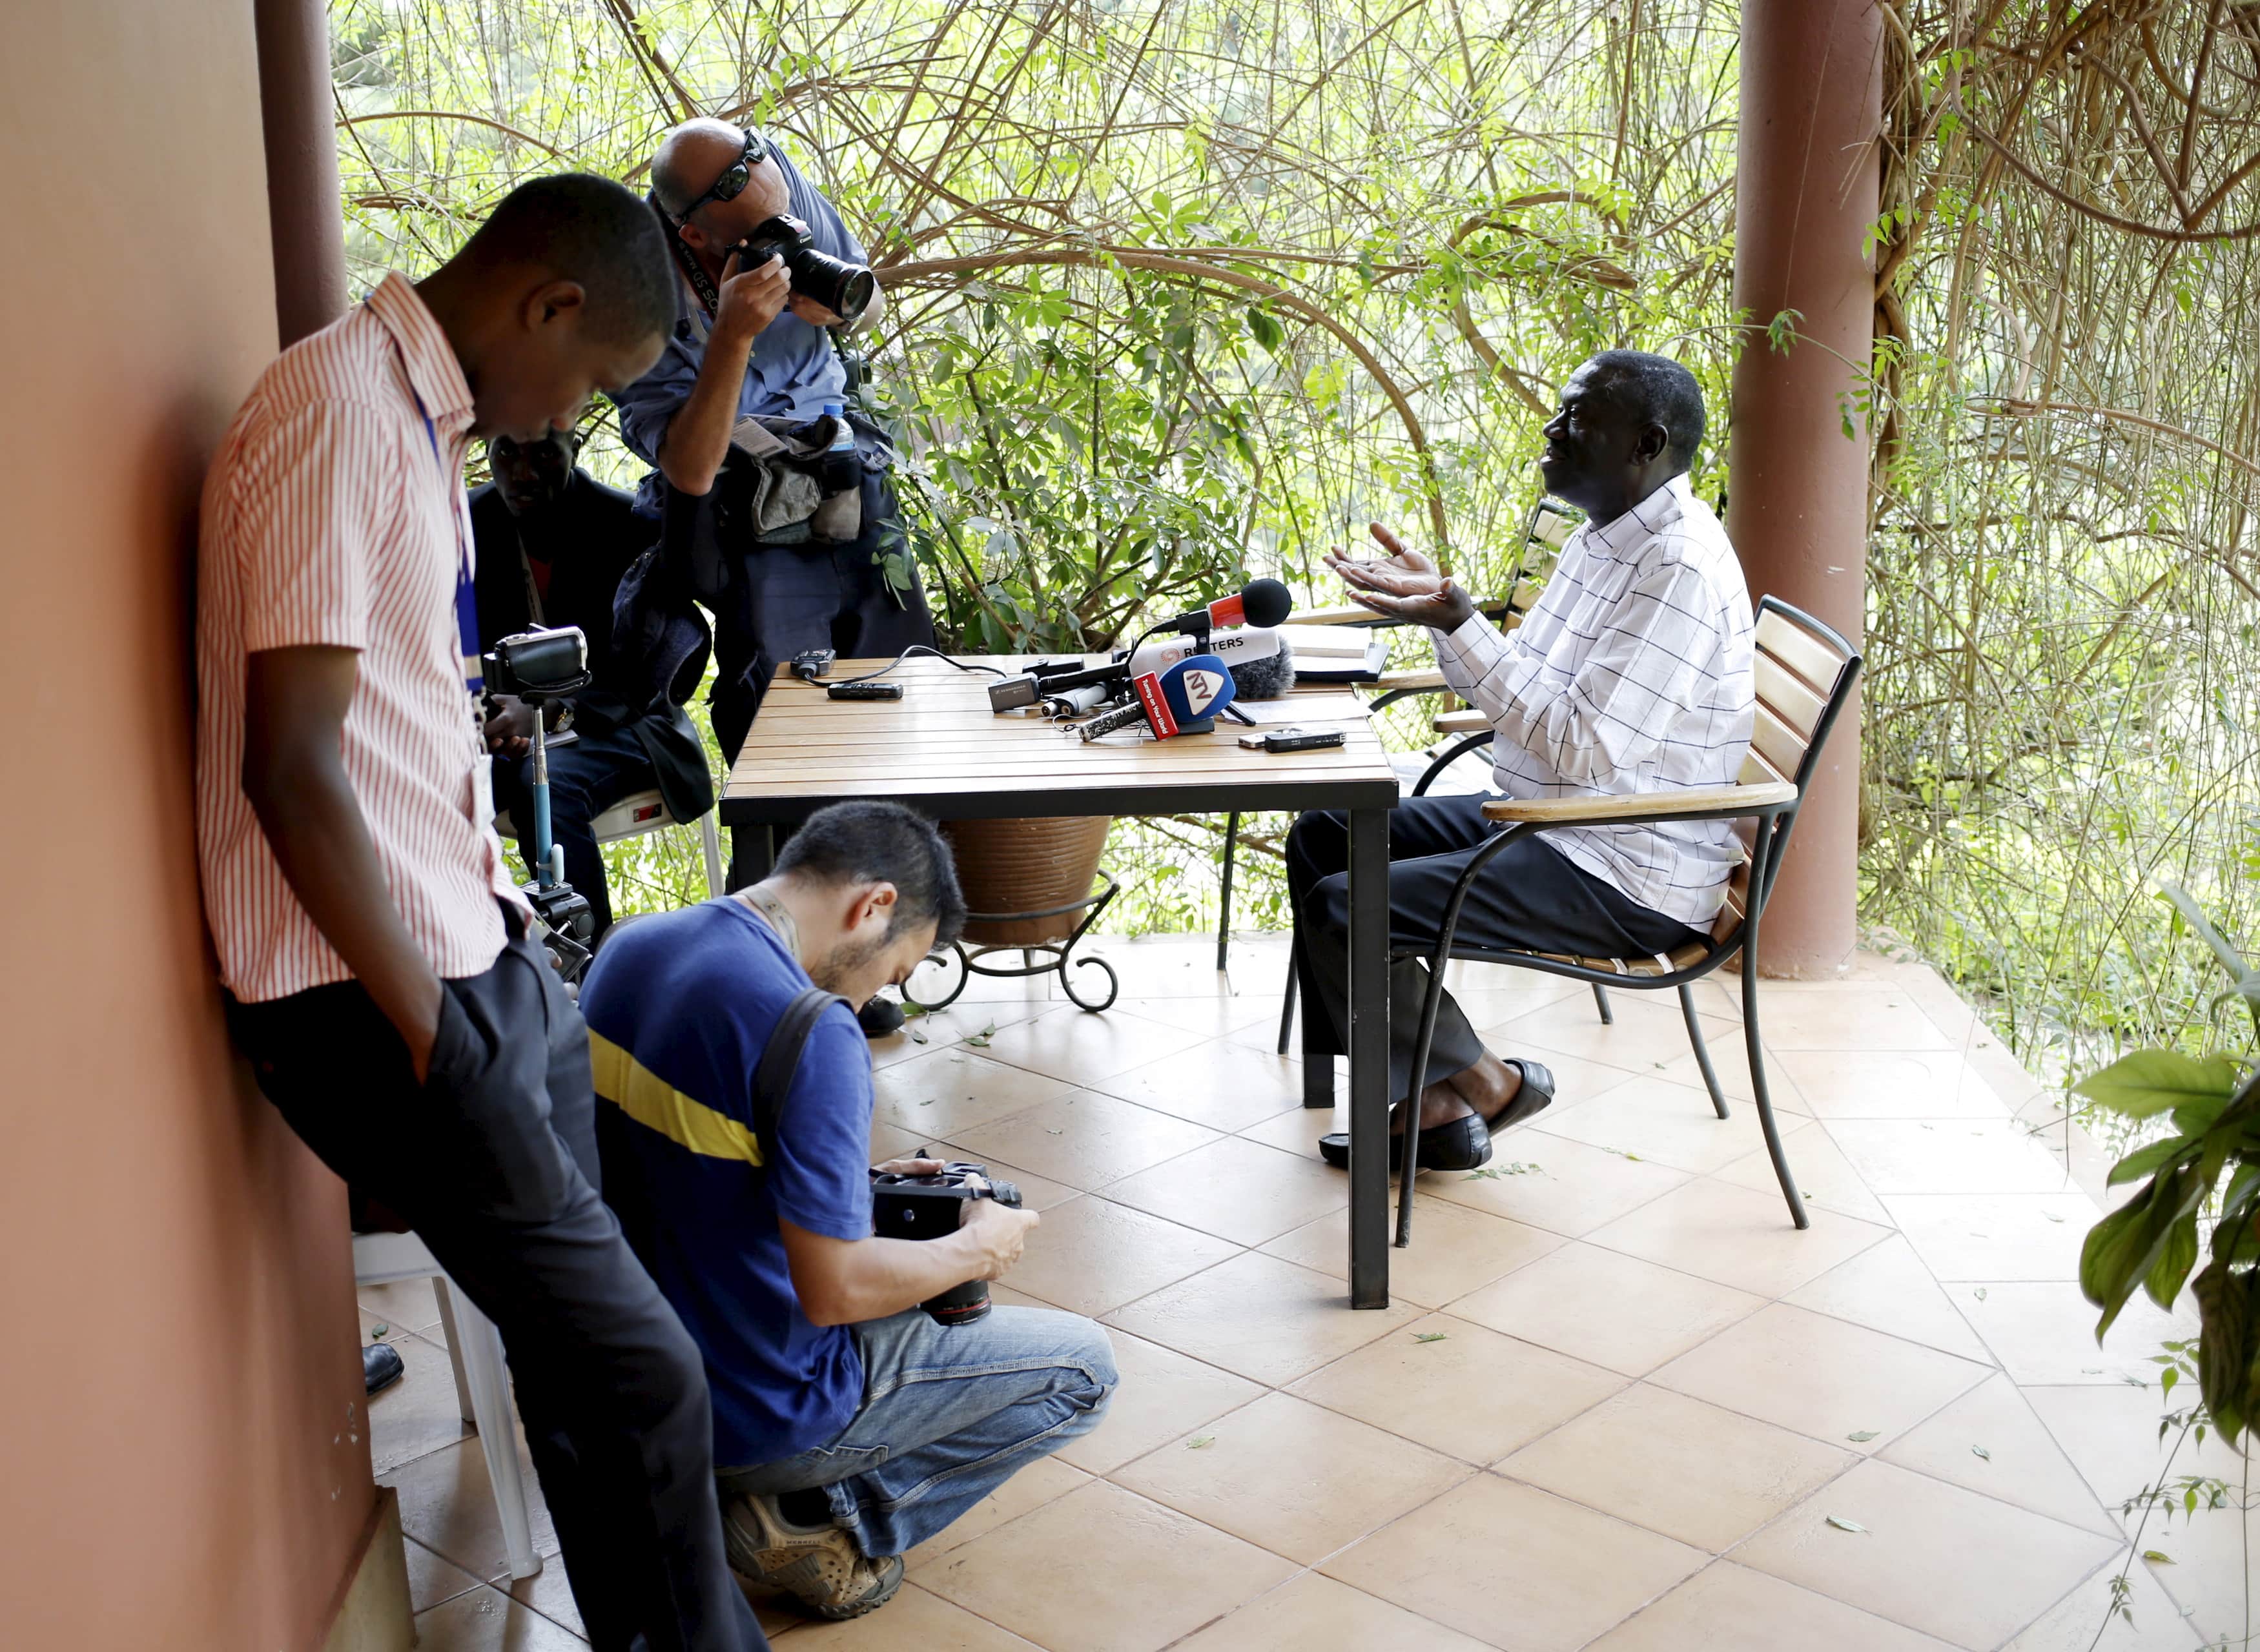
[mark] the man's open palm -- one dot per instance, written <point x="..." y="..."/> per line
<point x="1404" y="585"/>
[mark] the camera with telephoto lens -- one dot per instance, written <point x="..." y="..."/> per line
<point x="842" y="287"/>
<point x="931" y="1207"/>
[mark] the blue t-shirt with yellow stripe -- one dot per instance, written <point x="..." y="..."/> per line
<point x="680" y="1007"/>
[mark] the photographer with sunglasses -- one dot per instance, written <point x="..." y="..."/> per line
<point x="753" y="347"/>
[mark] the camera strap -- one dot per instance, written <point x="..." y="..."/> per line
<point x="773" y="1074"/>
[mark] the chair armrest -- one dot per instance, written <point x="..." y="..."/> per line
<point x="1462" y="723"/>
<point x="1621" y="809"/>
<point x="1419" y="682"/>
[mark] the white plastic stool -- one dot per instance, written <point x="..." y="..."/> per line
<point x="481" y="1388"/>
<point x="633" y="817"/>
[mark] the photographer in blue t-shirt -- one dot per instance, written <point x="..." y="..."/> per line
<point x="851" y="1425"/>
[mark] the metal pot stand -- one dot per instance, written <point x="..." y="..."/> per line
<point x="1057" y="955"/>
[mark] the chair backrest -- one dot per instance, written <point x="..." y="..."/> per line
<point x="1805" y="673"/>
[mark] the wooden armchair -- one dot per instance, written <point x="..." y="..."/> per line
<point x="1805" y="673"/>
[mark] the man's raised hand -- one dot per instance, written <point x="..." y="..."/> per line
<point x="1405" y="585"/>
<point x="751" y="299"/>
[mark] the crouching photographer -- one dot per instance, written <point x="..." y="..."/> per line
<point x="863" y="1400"/>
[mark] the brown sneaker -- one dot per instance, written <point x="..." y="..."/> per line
<point x="820" y="1566"/>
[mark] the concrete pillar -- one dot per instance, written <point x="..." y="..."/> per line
<point x="305" y="215"/>
<point x="1812" y="96"/>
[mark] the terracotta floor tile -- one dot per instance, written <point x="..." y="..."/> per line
<point x="1737" y="1236"/>
<point x="485" y="1619"/>
<point x="447" y="1504"/>
<point x="2111" y="1435"/>
<point x="1091" y="1254"/>
<point x="1261" y="1317"/>
<point x="1084" y="1139"/>
<point x="1043" y="1481"/>
<point x="1223" y="1085"/>
<point x="1823" y="1174"/>
<point x="2021" y="1463"/>
<point x="913" y="1618"/>
<point x="404" y="1305"/>
<point x="1730" y="1059"/>
<point x="1949" y="1562"/>
<point x="1678" y="1466"/>
<point x="1239" y="1190"/>
<point x="1162" y="1394"/>
<point x="1949" y="1155"/>
<point x="1515" y="1568"/>
<point x="1218" y="1017"/>
<point x="1820" y="1377"/>
<point x="890" y="1143"/>
<point x="1670" y="1124"/>
<point x="1298" y="1479"/>
<point x="1471" y="1393"/>
<point x="1037" y="1192"/>
<point x="1729" y="1608"/>
<point x="2210" y="1572"/>
<point x="1606" y="1308"/>
<point x="1454" y="1249"/>
<point x="550" y="1592"/>
<point x="946" y="1029"/>
<point x="433" y="1578"/>
<point x="1298" y="1129"/>
<point x="1574" y="1189"/>
<point x="1104" y="1569"/>
<point x="1081" y="1047"/>
<point x="1996" y="1235"/>
<point x="1863" y="1017"/>
<point x="2045" y="1332"/>
<point x="955" y="1089"/>
<point x="1314" y="1613"/>
<point x="1906" y="1084"/>
<point x="1647" y="1029"/>
<point x="1490" y="996"/>
<point x="2070" y="1625"/>
<point x="1886" y="1288"/>
<point x="420" y="1413"/>
<point x="1184" y="967"/>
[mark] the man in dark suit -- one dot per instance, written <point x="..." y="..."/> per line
<point x="553" y="544"/>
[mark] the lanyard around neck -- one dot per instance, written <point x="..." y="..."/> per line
<point x="467" y="596"/>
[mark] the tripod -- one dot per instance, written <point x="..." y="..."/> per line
<point x="538" y="667"/>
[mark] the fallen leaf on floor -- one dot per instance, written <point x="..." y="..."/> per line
<point x="2052" y="1216"/>
<point x="917" y="1037"/>
<point x="980" y="1040"/>
<point x="377" y="1332"/>
<point x="1199" y="1440"/>
<point x="1979" y="1293"/>
<point x="1843" y="1525"/>
<point x="1980" y="1451"/>
<point x="1863" y="1437"/>
<point x="1430" y="1336"/>
<point x="1051" y="1132"/>
<point x="2158" y="1557"/>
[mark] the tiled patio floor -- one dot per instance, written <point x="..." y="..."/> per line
<point x="1618" y="1403"/>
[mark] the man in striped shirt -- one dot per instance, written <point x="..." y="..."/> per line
<point x="373" y="949"/>
<point x="1632" y="674"/>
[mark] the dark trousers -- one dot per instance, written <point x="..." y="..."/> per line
<point x="783" y="599"/>
<point x="587" y="776"/>
<point x="493" y="1162"/>
<point x="1529" y="896"/>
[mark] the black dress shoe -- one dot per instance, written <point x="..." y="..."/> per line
<point x="1454" y="1145"/>
<point x="381" y="1366"/>
<point x="881" y="1017"/>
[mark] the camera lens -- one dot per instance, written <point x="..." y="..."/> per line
<point x="843" y="289"/>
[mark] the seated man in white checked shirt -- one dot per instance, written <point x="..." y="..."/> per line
<point x="1632" y="673"/>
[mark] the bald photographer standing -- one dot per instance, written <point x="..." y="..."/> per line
<point x="374" y="953"/>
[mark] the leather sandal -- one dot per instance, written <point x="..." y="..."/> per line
<point x="1464" y="1143"/>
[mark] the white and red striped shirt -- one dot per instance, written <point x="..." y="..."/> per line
<point x="329" y="520"/>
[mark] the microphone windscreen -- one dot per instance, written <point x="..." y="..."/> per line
<point x="1266" y="602"/>
<point x="1264" y="679"/>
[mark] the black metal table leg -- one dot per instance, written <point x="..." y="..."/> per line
<point x="1369" y="1058"/>
<point x="753" y="855"/>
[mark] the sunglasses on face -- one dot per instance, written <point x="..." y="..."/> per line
<point x="735" y="176"/>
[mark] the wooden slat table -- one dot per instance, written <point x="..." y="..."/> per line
<point x="941" y="750"/>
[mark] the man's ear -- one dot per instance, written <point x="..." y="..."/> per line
<point x="691" y="236"/>
<point x="553" y="301"/>
<point x="1651" y="443"/>
<point x="876" y="904"/>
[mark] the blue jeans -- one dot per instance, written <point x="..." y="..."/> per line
<point x="949" y="1413"/>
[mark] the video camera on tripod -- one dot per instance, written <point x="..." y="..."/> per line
<point x="537" y="667"/>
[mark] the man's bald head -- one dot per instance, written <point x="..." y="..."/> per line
<point x="691" y="156"/>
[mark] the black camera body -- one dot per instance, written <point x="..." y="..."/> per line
<point x="842" y="287"/>
<point x="539" y="665"/>
<point x="931" y="1207"/>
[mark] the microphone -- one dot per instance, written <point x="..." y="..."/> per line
<point x="1183" y="699"/>
<point x="1266" y="678"/>
<point x="1235" y="648"/>
<point x="1264" y="601"/>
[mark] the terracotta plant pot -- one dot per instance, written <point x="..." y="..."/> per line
<point x="1027" y="866"/>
